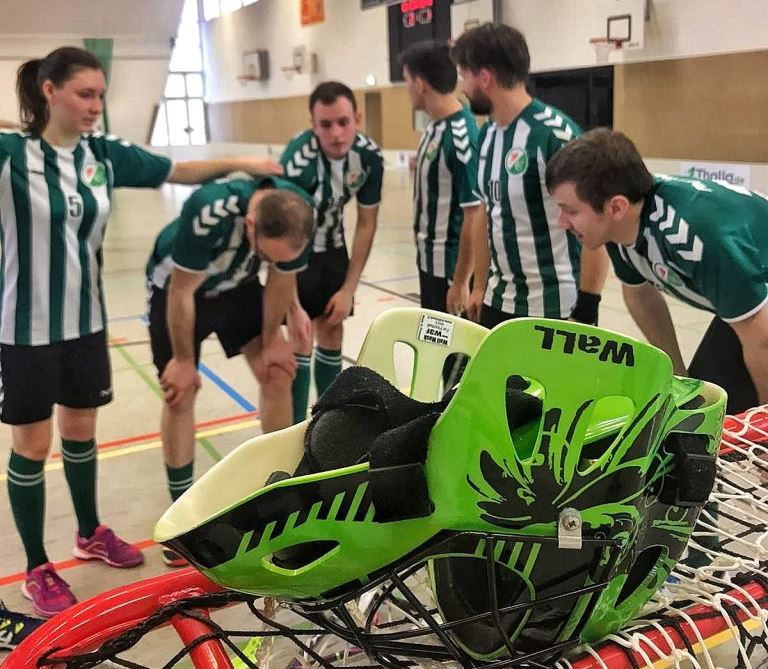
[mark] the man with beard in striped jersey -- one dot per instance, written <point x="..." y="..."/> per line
<point x="56" y="183"/>
<point x="447" y="206"/>
<point x="333" y="162"/>
<point x="536" y="268"/>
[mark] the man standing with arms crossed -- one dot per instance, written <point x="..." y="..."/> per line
<point x="536" y="268"/>
<point x="333" y="163"/>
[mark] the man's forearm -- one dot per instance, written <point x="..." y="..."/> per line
<point x="757" y="364"/>
<point x="197" y="171"/>
<point x="361" y="246"/>
<point x="649" y="310"/>
<point x="594" y="270"/>
<point x="473" y="216"/>
<point x="180" y="314"/>
<point x="481" y="252"/>
<point x="279" y="297"/>
<point x="753" y="335"/>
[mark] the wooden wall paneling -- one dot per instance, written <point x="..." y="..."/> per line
<point x="704" y="108"/>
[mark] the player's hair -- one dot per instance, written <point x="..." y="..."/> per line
<point x="284" y="214"/>
<point x="328" y="92"/>
<point x="431" y="61"/>
<point x="602" y="163"/>
<point x="497" y="47"/>
<point x="59" y="66"/>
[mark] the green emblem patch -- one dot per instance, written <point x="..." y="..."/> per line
<point x="516" y="161"/>
<point x="94" y="175"/>
<point x="355" y="179"/>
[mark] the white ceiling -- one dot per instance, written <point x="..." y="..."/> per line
<point x="90" y="18"/>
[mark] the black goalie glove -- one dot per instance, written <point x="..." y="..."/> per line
<point x="586" y="308"/>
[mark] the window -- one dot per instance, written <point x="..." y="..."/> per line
<point x="214" y="8"/>
<point x="180" y="118"/>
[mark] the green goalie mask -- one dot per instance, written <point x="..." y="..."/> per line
<point x="548" y="497"/>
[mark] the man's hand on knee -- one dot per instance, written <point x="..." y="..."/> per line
<point x="275" y="353"/>
<point x="179" y="381"/>
<point x="339" y="306"/>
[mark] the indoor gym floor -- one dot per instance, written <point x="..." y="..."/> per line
<point x="132" y="486"/>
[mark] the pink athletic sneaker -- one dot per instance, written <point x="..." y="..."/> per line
<point x="49" y="593"/>
<point x="107" y="546"/>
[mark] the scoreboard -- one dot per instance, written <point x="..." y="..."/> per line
<point x="367" y="4"/>
<point x="412" y="21"/>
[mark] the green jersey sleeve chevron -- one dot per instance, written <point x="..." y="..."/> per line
<point x="206" y="223"/>
<point x="130" y="165"/>
<point x="461" y="157"/>
<point x="299" y="160"/>
<point x="372" y="164"/>
<point x="706" y="243"/>
<point x="562" y="129"/>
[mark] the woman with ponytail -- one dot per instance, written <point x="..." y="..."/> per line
<point x="56" y="183"/>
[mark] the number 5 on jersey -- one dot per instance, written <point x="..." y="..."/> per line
<point x="75" y="205"/>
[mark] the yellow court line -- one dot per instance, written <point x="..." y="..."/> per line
<point x="139" y="448"/>
<point x="711" y="642"/>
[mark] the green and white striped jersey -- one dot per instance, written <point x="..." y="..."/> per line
<point x="704" y="242"/>
<point x="333" y="183"/>
<point x="534" y="263"/>
<point x="209" y="236"/>
<point x="445" y="180"/>
<point x="54" y="207"/>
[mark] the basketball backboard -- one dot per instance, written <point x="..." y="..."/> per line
<point x="622" y="20"/>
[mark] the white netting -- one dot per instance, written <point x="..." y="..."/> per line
<point x="604" y="48"/>
<point x="713" y="611"/>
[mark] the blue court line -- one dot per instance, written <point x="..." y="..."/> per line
<point x="206" y="371"/>
<point x="393" y="279"/>
<point x="221" y="383"/>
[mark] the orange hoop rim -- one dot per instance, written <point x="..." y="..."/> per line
<point x="616" y="43"/>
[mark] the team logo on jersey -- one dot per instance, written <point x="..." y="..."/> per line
<point x="431" y="151"/>
<point x="94" y="175"/>
<point x="355" y="180"/>
<point x="667" y="275"/>
<point x="516" y="161"/>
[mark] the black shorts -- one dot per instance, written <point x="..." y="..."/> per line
<point x="234" y="315"/>
<point x="433" y="291"/>
<point x="73" y="373"/>
<point x="720" y="359"/>
<point x="322" y="278"/>
<point x="490" y="317"/>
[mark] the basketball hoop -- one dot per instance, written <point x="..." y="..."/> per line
<point x="245" y="78"/>
<point x="603" y="47"/>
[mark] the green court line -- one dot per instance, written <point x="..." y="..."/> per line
<point x="155" y="388"/>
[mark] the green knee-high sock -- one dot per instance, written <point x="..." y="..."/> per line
<point x="300" y="387"/>
<point x="80" y="469"/>
<point x="180" y="479"/>
<point x="26" y="491"/>
<point x="327" y="368"/>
